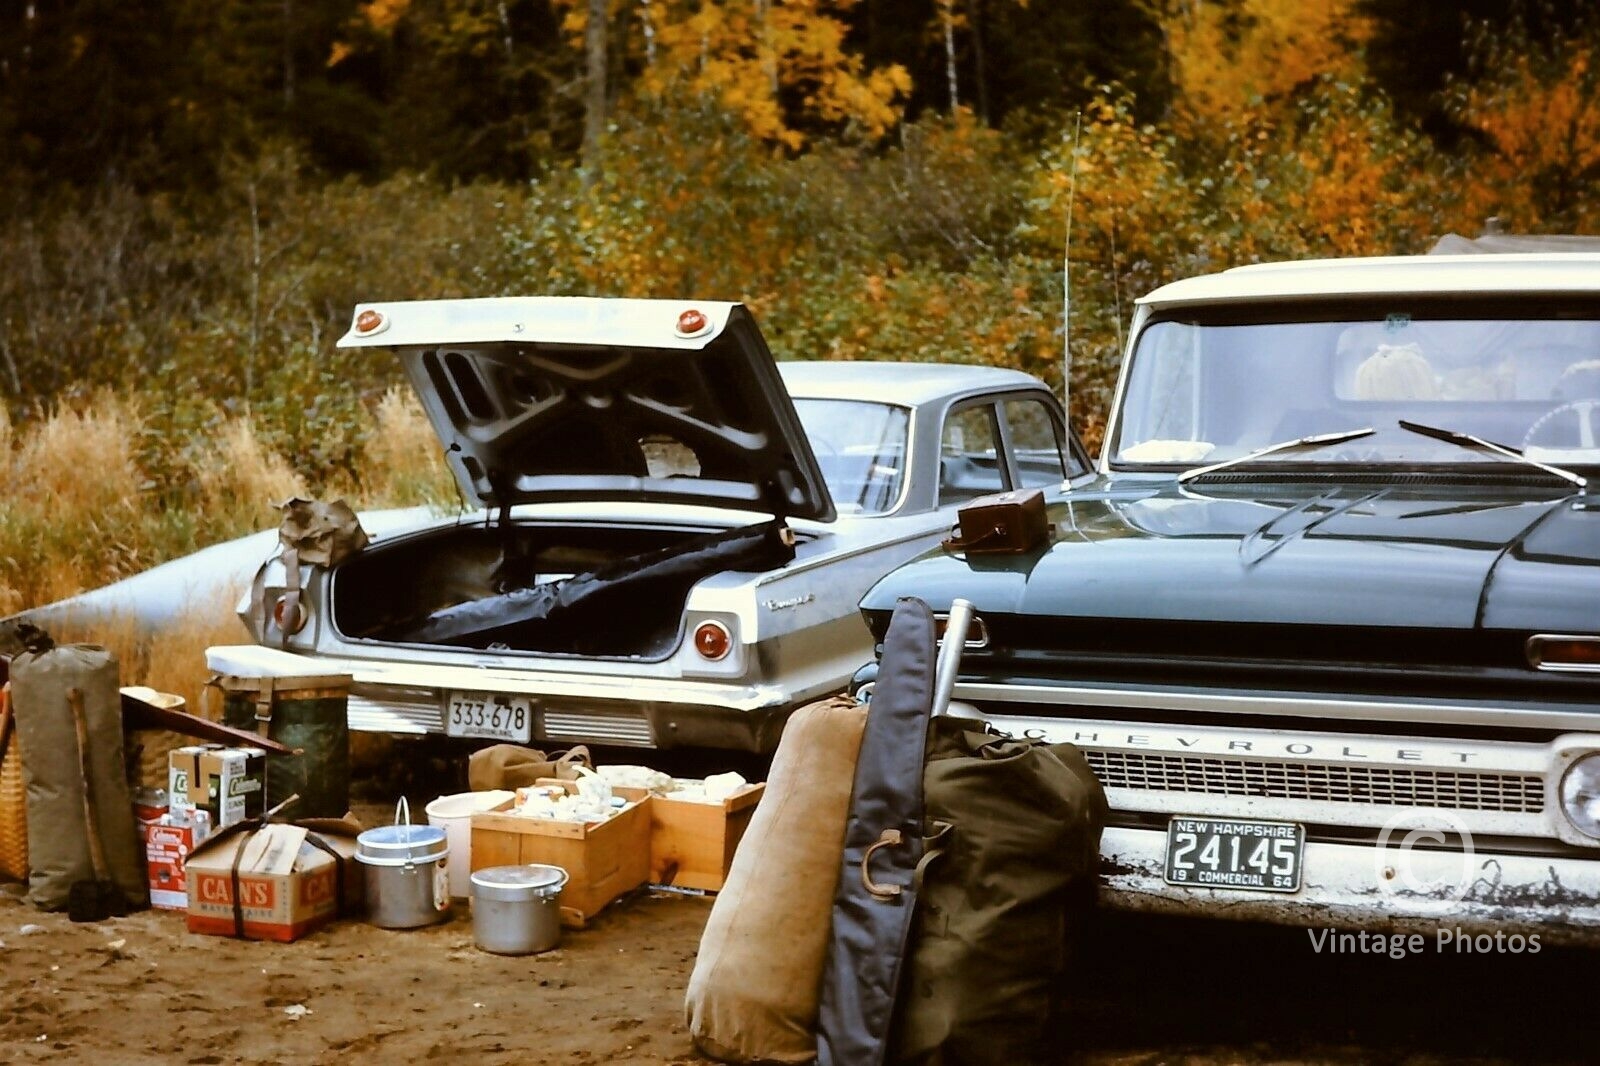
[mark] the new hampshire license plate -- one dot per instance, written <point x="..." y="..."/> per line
<point x="1226" y="853"/>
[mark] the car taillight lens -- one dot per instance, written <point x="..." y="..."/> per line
<point x="288" y="615"/>
<point x="713" y="641"/>
<point x="693" y="323"/>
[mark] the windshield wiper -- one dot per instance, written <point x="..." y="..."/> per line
<point x="1316" y="440"/>
<point x="1467" y="440"/>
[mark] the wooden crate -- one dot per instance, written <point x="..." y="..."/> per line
<point x="602" y="861"/>
<point x="692" y="844"/>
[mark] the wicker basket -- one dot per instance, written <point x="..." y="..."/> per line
<point x="13" y="807"/>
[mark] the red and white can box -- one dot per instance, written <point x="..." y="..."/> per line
<point x="166" y="849"/>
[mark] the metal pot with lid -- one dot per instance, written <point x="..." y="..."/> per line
<point x="407" y="879"/>
<point x="516" y="910"/>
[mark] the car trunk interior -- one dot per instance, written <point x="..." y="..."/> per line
<point x="576" y="589"/>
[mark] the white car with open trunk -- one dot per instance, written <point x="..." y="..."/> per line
<point x="666" y="533"/>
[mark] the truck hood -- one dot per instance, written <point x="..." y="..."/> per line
<point x="1415" y="556"/>
<point x="572" y="398"/>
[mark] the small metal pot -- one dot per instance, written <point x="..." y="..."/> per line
<point x="406" y="877"/>
<point x="516" y="910"/>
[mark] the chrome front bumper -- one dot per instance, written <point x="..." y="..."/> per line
<point x="1344" y="887"/>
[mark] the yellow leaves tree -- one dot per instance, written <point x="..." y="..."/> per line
<point x="780" y="65"/>
<point x="377" y="16"/>
<point x="1228" y="55"/>
<point x="1536" y="110"/>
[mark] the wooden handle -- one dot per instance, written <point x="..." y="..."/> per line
<point x="97" y="855"/>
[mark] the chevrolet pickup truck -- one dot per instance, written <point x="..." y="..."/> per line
<point x="1326" y="622"/>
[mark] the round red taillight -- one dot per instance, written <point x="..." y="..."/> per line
<point x="692" y="323"/>
<point x="713" y="641"/>
<point x="368" y="321"/>
<point x="288" y="617"/>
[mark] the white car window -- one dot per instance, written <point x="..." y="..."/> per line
<point x="1036" y="443"/>
<point x="969" y="461"/>
<point x="861" y="448"/>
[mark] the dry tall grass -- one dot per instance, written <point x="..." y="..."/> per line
<point x="241" y="479"/>
<point x="170" y="659"/>
<point x="401" y="461"/>
<point x="72" y="518"/>
<point x="80" y="510"/>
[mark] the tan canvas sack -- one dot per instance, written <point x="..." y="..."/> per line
<point x="754" y="990"/>
<point x="513" y="766"/>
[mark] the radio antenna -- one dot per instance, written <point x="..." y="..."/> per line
<point x="1066" y="278"/>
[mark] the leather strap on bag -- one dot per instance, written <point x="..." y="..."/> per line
<point x="266" y="697"/>
<point x="291" y="593"/>
<point x="889" y="838"/>
<point x="959" y="544"/>
<point x="577" y="754"/>
<point x="933" y="843"/>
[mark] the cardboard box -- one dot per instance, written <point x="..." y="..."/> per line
<point x="167" y="847"/>
<point x="285" y="885"/>
<point x="603" y="860"/>
<point x="692" y="843"/>
<point x="228" y="783"/>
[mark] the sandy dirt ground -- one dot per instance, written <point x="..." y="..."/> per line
<point x="141" y="989"/>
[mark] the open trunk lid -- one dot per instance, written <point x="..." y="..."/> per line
<point x="549" y="398"/>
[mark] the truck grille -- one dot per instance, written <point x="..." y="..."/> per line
<point x="1324" y="782"/>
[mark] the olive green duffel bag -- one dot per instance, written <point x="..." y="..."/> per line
<point x="1015" y="825"/>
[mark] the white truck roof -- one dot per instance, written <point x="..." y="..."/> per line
<point x="1442" y="275"/>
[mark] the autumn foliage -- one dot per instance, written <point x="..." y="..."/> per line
<point x="169" y="301"/>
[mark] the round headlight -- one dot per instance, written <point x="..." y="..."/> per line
<point x="1580" y="795"/>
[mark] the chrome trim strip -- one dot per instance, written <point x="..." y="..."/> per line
<point x="1536" y="659"/>
<point x="370" y="715"/>
<point x="1523" y="716"/>
<point x="621" y="729"/>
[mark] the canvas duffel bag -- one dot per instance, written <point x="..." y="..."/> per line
<point x="1018" y="826"/>
<point x="512" y="766"/>
<point x="80" y="812"/>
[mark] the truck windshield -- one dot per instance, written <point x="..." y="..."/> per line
<point x="1209" y="390"/>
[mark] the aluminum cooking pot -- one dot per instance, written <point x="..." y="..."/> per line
<point x="406" y="874"/>
<point x="516" y="910"/>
